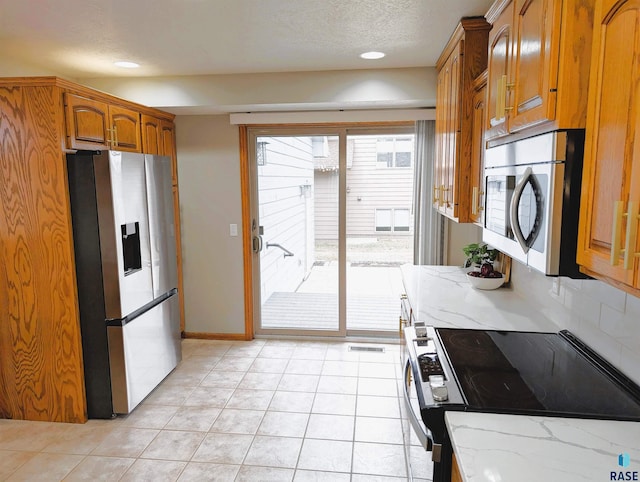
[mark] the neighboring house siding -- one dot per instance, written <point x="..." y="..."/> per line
<point x="326" y="190"/>
<point x="326" y="205"/>
<point x="369" y="187"/>
<point x="286" y="212"/>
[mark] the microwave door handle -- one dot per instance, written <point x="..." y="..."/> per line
<point x="515" y="202"/>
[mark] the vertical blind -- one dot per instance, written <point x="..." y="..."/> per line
<point x="428" y="223"/>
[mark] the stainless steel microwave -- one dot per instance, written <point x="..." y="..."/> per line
<point x="532" y="200"/>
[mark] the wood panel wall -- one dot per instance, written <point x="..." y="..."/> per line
<point x="41" y="374"/>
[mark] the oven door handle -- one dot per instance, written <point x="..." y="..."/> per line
<point x="425" y="441"/>
<point x="527" y="178"/>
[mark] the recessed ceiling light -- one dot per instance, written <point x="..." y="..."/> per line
<point x="372" y="55"/>
<point x="126" y="64"/>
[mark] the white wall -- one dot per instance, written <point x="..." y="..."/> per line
<point x="328" y="90"/>
<point x="12" y="67"/>
<point x="209" y="182"/>
<point x="604" y="317"/>
<point x="458" y="236"/>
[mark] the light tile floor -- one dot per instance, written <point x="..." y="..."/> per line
<point x="264" y="410"/>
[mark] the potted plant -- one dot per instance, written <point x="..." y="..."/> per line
<point x="481" y="257"/>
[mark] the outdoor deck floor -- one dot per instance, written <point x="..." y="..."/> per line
<point x="373" y="294"/>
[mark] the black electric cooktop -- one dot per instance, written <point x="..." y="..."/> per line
<point x="530" y="372"/>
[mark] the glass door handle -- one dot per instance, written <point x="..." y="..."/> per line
<point x="257" y="244"/>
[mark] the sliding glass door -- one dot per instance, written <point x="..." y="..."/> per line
<point x="331" y="224"/>
<point x="379" y="225"/>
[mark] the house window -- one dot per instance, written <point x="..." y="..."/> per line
<point x="392" y="220"/>
<point x="320" y="146"/>
<point x="383" y="219"/>
<point x="394" y="152"/>
<point x="401" y="220"/>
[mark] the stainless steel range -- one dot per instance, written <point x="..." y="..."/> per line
<point x="548" y="374"/>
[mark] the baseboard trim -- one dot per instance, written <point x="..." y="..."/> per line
<point x="215" y="336"/>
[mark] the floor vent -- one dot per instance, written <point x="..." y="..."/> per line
<point x="376" y="349"/>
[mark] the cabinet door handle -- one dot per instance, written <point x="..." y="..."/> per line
<point x="110" y="140"/>
<point x="115" y="134"/>
<point x="508" y="86"/>
<point x="631" y="235"/>
<point x="474" y="200"/>
<point x="443" y="198"/>
<point x="618" y="214"/>
<point x="435" y="195"/>
<point x="501" y="96"/>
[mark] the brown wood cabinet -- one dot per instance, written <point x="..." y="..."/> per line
<point x="158" y="137"/>
<point x="151" y="135"/>
<point x="476" y="171"/>
<point x="168" y="146"/>
<point x="41" y="368"/>
<point x="41" y="371"/>
<point x="94" y="124"/>
<point x="539" y="52"/>
<point x="456" y="476"/>
<point x="608" y="233"/>
<point x="499" y="61"/>
<point x="462" y="60"/>
<point x="126" y="129"/>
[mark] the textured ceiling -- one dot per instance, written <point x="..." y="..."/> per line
<point x="82" y="38"/>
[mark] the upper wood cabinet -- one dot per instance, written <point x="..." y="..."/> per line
<point x="539" y="52"/>
<point x="93" y="124"/>
<point x="151" y="134"/>
<point x="499" y="59"/>
<point x="87" y="122"/>
<point x="476" y="172"/>
<point x="158" y="137"/>
<point x="126" y="129"/>
<point x="462" y="60"/>
<point x="168" y="145"/>
<point x="608" y="232"/>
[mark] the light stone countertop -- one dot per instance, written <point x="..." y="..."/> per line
<point x="441" y="296"/>
<point x="503" y="448"/>
<point x="515" y="448"/>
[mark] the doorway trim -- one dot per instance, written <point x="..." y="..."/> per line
<point x="246" y="190"/>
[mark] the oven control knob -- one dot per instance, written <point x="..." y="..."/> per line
<point x="440" y="394"/>
<point x="439" y="390"/>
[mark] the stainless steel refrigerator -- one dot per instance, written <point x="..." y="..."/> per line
<point x="126" y="267"/>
